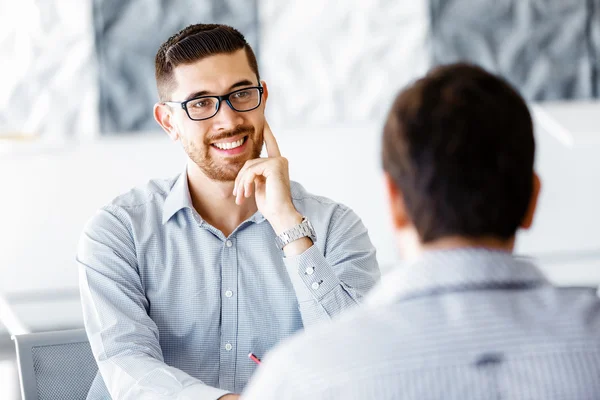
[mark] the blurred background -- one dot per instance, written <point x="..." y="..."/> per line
<point x="76" y="128"/>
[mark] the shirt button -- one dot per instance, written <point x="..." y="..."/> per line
<point x="229" y="293"/>
<point x="315" y="285"/>
<point x="228" y="243"/>
<point x="309" y="270"/>
<point x="228" y="346"/>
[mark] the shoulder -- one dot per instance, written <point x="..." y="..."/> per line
<point x="300" y="194"/>
<point x="575" y="306"/>
<point x="319" y="206"/>
<point x="141" y="203"/>
<point x="153" y="190"/>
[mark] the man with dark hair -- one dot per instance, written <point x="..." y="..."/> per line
<point x="181" y="279"/>
<point x="464" y="318"/>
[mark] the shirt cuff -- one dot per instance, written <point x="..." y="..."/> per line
<point x="311" y="274"/>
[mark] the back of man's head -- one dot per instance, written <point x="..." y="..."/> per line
<point x="458" y="144"/>
<point x="193" y="44"/>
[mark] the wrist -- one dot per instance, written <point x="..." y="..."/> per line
<point x="286" y="220"/>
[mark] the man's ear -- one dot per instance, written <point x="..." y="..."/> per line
<point x="265" y="93"/>
<point x="164" y="116"/>
<point x="537" y="187"/>
<point x="396" y="204"/>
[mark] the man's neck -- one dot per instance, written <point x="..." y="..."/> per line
<point x="215" y="203"/>
<point x="459" y="242"/>
<point x="411" y="246"/>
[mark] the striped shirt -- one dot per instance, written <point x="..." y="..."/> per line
<point x="172" y="307"/>
<point x="457" y="324"/>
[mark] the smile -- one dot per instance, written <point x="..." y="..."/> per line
<point x="230" y="145"/>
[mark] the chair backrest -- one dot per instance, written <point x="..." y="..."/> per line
<point x="55" y="365"/>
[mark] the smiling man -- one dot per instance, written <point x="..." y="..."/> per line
<point x="182" y="278"/>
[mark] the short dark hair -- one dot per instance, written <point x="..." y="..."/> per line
<point x="193" y="44"/>
<point x="459" y="145"/>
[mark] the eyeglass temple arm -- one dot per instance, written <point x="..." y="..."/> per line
<point x="174" y="103"/>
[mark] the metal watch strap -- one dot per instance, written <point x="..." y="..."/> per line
<point x="303" y="229"/>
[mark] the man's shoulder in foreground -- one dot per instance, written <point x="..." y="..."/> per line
<point x="442" y="343"/>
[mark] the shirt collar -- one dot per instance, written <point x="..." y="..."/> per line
<point x="257" y="217"/>
<point x="179" y="198"/>
<point x="454" y="270"/>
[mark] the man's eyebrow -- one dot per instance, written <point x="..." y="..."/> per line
<point x="244" y="82"/>
<point x="236" y="85"/>
<point x="197" y="94"/>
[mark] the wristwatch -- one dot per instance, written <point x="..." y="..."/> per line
<point x="303" y="229"/>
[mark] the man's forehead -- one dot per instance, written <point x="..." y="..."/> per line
<point x="214" y="73"/>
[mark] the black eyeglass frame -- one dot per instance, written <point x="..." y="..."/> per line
<point x="220" y="99"/>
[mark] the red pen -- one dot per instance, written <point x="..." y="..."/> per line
<point x="254" y="358"/>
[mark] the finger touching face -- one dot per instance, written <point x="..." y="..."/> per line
<point x="271" y="142"/>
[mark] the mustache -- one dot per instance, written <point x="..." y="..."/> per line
<point x="242" y="130"/>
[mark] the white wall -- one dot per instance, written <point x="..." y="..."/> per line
<point x="48" y="195"/>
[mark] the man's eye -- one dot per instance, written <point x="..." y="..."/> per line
<point x="203" y="103"/>
<point x="242" y="94"/>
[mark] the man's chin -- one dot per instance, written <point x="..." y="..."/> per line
<point x="222" y="173"/>
<point x="226" y="169"/>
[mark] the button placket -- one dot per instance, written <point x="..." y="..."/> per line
<point x="229" y="312"/>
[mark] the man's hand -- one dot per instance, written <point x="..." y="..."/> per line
<point x="268" y="179"/>
<point x="229" y="397"/>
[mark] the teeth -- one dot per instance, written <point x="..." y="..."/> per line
<point x="231" y="145"/>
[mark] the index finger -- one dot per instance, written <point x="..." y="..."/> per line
<point x="270" y="142"/>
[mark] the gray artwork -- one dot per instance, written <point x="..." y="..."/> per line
<point x="595" y="45"/>
<point x="128" y="34"/>
<point x="81" y="67"/>
<point x="48" y="84"/>
<point x="332" y="62"/>
<point x="543" y="47"/>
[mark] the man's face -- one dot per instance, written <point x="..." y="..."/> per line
<point x="222" y="144"/>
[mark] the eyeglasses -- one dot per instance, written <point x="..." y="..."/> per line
<point x="205" y="107"/>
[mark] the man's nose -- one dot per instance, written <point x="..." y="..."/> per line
<point x="227" y="117"/>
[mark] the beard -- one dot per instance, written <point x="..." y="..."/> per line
<point x="224" y="170"/>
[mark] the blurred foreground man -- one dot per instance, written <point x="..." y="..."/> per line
<point x="464" y="318"/>
<point x="182" y="278"/>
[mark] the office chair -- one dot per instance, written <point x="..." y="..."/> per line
<point x="55" y="365"/>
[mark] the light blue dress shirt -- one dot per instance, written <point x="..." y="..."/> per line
<point x="172" y="307"/>
<point x="457" y="324"/>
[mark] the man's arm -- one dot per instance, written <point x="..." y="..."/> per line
<point x="124" y="339"/>
<point x="336" y="276"/>
<point x="328" y="282"/>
